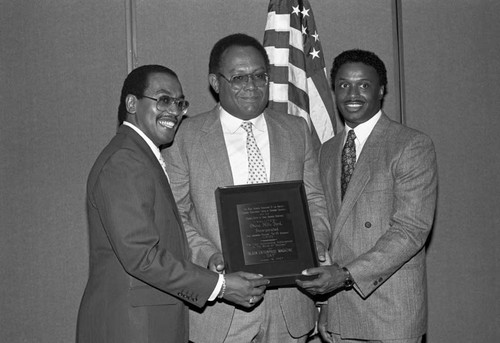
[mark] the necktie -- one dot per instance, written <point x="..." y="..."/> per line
<point x="256" y="168"/>
<point x="348" y="161"/>
<point x="163" y="165"/>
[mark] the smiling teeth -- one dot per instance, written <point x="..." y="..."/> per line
<point x="166" y="123"/>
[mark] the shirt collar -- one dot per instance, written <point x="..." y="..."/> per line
<point x="150" y="143"/>
<point x="364" y="130"/>
<point x="231" y="123"/>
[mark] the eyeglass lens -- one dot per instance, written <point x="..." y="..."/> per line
<point x="165" y="102"/>
<point x="259" y="80"/>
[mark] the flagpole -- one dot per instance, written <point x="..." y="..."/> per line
<point x="399" y="58"/>
<point x="130" y="19"/>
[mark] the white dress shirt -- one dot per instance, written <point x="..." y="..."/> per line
<point x="236" y="137"/>
<point x="362" y="132"/>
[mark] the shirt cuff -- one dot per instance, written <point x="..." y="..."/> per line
<point x="217" y="288"/>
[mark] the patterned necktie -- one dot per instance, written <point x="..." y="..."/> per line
<point x="348" y="161"/>
<point x="256" y="168"/>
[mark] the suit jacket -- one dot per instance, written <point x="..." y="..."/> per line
<point x="198" y="163"/>
<point x="379" y="231"/>
<point x="140" y="274"/>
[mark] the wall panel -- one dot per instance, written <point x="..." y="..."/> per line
<point x="452" y="83"/>
<point x="62" y="64"/>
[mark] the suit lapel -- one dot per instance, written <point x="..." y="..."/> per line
<point x="362" y="172"/>
<point x="279" y="145"/>
<point x="154" y="165"/>
<point x="335" y="167"/>
<point x="214" y="147"/>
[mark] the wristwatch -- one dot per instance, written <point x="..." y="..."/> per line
<point x="349" y="281"/>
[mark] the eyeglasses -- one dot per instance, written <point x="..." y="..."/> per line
<point x="165" y="102"/>
<point x="240" y="81"/>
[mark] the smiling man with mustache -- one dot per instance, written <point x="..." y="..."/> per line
<point x="140" y="277"/>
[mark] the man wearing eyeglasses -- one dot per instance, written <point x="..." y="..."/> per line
<point x="210" y="151"/>
<point x="140" y="277"/>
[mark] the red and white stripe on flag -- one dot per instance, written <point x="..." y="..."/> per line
<point x="298" y="77"/>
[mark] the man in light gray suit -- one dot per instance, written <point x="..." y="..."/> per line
<point x="209" y="151"/>
<point x="377" y="281"/>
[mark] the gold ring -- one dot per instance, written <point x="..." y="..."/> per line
<point x="251" y="300"/>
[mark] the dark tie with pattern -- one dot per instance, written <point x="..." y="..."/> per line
<point x="348" y="161"/>
<point x="256" y="168"/>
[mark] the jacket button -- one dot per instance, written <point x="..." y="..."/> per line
<point x="368" y="225"/>
<point x="380" y="279"/>
<point x="375" y="283"/>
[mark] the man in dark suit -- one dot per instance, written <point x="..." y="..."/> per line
<point x="210" y="151"/>
<point x="380" y="181"/>
<point x="140" y="276"/>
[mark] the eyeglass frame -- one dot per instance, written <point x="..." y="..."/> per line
<point x="171" y="100"/>
<point x="248" y="76"/>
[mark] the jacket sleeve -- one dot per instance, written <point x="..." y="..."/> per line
<point x="124" y="194"/>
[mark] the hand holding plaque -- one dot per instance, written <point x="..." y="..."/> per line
<point x="244" y="289"/>
<point x="216" y="263"/>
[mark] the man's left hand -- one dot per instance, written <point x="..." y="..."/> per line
<point x="330" y="278"/>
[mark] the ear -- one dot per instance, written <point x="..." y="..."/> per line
<point x="381" y="92"/>
<point x="214" y="82"/>
<point x="131" y="103"/>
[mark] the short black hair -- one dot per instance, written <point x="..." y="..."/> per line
<point x="237" y="39"/>
<point x="356" y="55"/>
<point x="136" y="83"/>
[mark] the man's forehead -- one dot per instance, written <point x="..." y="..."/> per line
<point x="242" y="54"/>
<point x="356" y="70"/>
<point x="164" y="83"/>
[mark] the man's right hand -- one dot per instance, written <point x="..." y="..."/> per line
<point x="216" y="263"/>
<point x="245" y="289"/>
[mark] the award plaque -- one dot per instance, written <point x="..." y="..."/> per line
<point x="266" y="229"/>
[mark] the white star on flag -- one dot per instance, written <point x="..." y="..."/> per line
<point x="314" y="53"/>
<point x="316" y="36"/>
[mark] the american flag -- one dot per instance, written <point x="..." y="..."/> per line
<point x="298" y="77"/>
